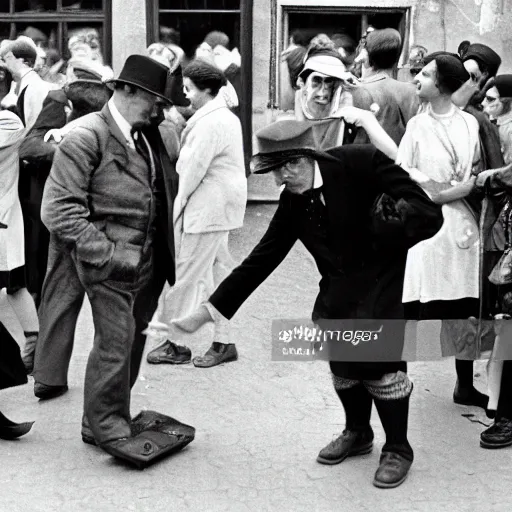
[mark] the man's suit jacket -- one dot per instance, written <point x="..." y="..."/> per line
<point x="97" y="204"/>
<point x="370" y="255"/>
<point x="397" y="101"/>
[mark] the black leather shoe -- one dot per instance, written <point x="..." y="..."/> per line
<point x="10" y="430"/>
<point x="392" y="471"/>
<point x="218" y="353"/>
<point x="45" y="392"/>
<point x="471" y="396"/>
<point x="349" y="444"/>
<point x="87" y="435"/>
<point x="498" y="435"/>
<point x="170" y="353"/>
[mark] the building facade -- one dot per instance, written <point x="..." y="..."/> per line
<point x="260" y="29"/>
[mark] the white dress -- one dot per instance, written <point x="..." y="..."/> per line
<point x="444" y="148"/>
<point x="12" y="239"/>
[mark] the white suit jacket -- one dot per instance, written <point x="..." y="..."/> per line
<point x="212" y="192"/>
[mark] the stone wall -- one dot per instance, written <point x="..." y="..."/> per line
<point x="128" y="30"/>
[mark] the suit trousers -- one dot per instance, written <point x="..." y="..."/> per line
<point x="61" y="301"/>
<point x="120" y="313"/>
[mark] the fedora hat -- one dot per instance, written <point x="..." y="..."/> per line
<point x="145" y="73"/>
<point x="283" y="140"/>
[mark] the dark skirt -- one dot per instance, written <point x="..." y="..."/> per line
<point x="459" y="335"/>
<point x="13" y="280"/>
<point x="442" y="309"/>
<point x="12" y="369"/>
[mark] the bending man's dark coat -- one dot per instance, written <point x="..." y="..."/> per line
<point x="362" y="277"/>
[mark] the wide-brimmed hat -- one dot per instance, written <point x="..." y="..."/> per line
<point x="145" y="73"/>
<point x="284" y="140"/>
<point x="327" y="65"/>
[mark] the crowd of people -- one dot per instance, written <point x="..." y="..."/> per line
<point x="126" y="190"/>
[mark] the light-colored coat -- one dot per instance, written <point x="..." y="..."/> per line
<point x="12" y="239"/>
<point x="212" y="192"/>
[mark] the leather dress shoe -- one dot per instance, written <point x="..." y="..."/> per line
<point x="87" y="435"/>
<point x="349" y="444"/>
<point x="498" y="435"/>
<point x="392" y="471"/>
<point x="471" y="397"/>
<point x="170" y="353"/>
<point x="218" y="353"/>
<point x="46" y="392"/>
<point x="10" y="430"/>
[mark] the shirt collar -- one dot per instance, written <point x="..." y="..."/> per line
<point x="27" y="77"/>
<point x="124" y="125"/>
<point x="317" y="181"/>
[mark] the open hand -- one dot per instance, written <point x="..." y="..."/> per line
<point x="354" y="115"/>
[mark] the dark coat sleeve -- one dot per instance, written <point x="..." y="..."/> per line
<point x="263" y="260"/>
<point x="53" y="115"/>
<point x="417" y="217"/>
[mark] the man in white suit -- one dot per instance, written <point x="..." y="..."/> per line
<point x="210" y="203"/>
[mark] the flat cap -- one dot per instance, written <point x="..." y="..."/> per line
<point x="285" y="135"/>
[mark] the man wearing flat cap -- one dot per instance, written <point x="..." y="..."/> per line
<point x="327" y="204"/>
<point x="108" y="206"/>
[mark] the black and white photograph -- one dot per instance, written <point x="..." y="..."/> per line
<point x="255" y="255"/>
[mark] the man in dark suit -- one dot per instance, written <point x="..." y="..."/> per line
<point x="108" y="206"/>
<point x="397" y="101"/>
<point x="327" y="204"/>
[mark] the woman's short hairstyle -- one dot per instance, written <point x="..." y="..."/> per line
<point x="205" y="76"/>
<point x="451" y="73"/>
<point x="505" y="100"/>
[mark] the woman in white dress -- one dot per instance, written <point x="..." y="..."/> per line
<point x="441" y="149"/>
<point x="12" y="240"/>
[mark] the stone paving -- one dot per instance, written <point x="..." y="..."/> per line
<point x="260" y="425"/>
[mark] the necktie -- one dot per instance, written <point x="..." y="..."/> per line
<point x="140" y="145"/>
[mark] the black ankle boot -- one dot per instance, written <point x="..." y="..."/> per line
<point x="469" y="396"/>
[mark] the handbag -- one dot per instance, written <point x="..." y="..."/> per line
<point x="502" y="272"/>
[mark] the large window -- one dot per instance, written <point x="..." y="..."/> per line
<point x="334" y="17"/>
<point x="193" y="19"/>
<point x="52" y="22"/>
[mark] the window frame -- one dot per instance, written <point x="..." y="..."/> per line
<point x="62" y="17"/>
<point x="280" y="10"/>
<point x="246" y="27"/>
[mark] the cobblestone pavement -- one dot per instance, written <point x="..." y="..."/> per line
<point x="260" y="425"/>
